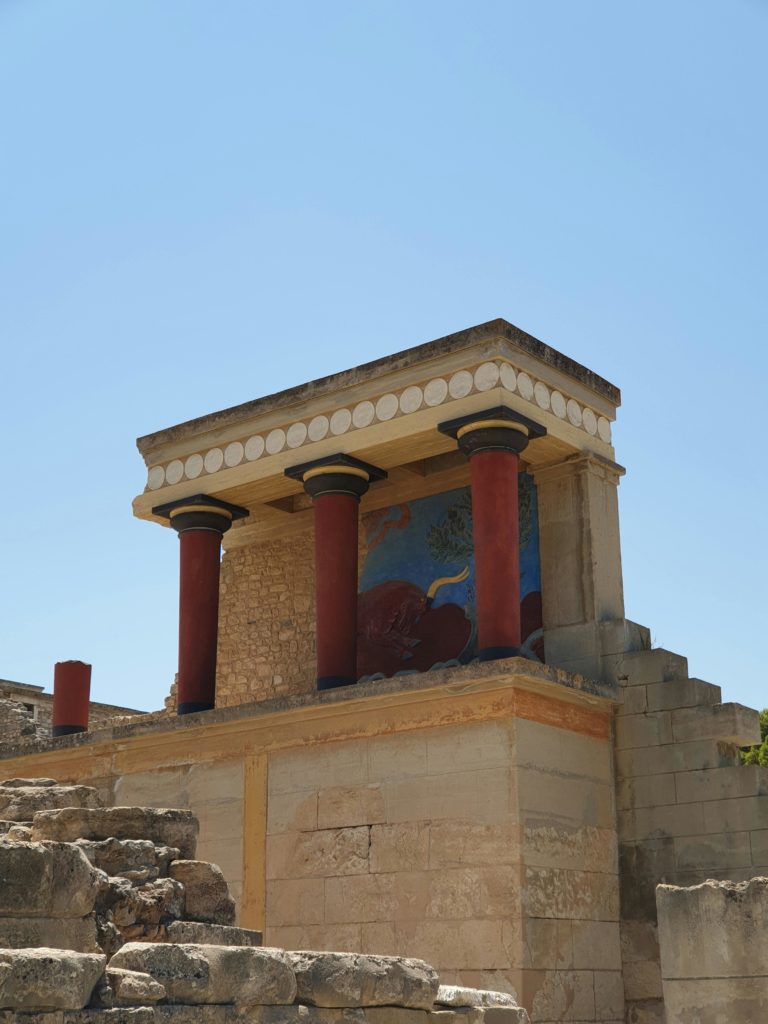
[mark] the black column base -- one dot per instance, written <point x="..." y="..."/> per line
<point x="189" y="707"/>
<point x="331" y="682"/>
<point x="497" y="653"/>
<point x="67" y="730"/>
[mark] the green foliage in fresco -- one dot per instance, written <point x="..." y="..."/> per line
<point x="759" y="753"/>
<point x="450" y="540"/>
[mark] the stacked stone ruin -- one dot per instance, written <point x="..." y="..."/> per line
<point x="106" y="917"/>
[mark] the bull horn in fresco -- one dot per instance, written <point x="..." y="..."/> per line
<point x="444" y="581"/>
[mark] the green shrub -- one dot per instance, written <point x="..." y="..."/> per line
<point x="759" y="753"/>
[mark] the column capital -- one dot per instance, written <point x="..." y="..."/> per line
<point x="495" y="429"/>
<point x="200" y="512"/>
<point x="336" y="474"/>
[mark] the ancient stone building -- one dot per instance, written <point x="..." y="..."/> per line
<point x="413" y="717"/>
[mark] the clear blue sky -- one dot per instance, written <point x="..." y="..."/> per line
<point x="204" y="202"/>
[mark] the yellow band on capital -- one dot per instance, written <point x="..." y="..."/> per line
<point x="325" y="470"/>
<point x="486" y="424"/>
<point x="201" y="508"/>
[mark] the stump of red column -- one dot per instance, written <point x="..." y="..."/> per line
<point x="71" y="697"/>
<point x="493" y="441"/>
<point x="200" y="522"/>
<point x="336" y="485"/>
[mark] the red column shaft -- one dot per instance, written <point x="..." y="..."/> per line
<point x="71" y="697"/>
<point x="200" y="557"/>
<point x="497" y="552"/>
<point x="336" y="588"/>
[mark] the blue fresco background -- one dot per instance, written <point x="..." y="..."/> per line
<point x="428" y="538"/>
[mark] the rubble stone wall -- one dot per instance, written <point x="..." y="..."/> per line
<point x="267" y="621"/>
<point x="713" y="959"/>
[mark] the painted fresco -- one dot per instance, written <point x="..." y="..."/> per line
<point x="416" y="607"/>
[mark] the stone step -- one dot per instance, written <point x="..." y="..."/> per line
<point x="639" y="668"/>
<point x="212" y="934"/>
<point x="681" y="693"/>
<point x="729" y="723"/>
<point x="19" y="802"/>
<point x="162" y="826"/>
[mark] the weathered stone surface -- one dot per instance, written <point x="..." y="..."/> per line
<point x="197" y="974"/>
<point x="349" y="979"/>
<point x="116" y="1015"/>
<point x="456" y="995"/>
<point x="163" y="826"/>
<point x="47" y="879"/>
<point x="139" y="860"/>
<point x="20" y="833"/>
<point x="307" y="1015"/>
<point x="478" y="1015"/>
<point x="119" y="987"/>
<point x="205" y="890"/>
<point x="48" y="979"/>
<point x="76" y="933"/>
<point x="178" y="1014"/>
<point x="138" y="911"/>
<point x="26" y="783"/>
<point x="21" y="803"/>
<point x="198" y="933"/>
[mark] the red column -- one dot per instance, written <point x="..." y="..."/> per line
<point x="200" y="522"/>
<point x="336" y="527"/>
<point x="497" y="552"/>
<point x="493" y="440"/>
<point x="200" y="558"/>
<point x="336" y="484"/>
<point x="71" y="697"/>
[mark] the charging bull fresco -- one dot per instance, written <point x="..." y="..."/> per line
<point x="416" y="607"/>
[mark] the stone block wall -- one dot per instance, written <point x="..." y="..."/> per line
<point x="713" y="959"/>
<point x="267" y="621"/>
<point x="488" y="849"/>
<point x="688" y="809"/>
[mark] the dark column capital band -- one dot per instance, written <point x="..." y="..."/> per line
<point x="336" y="474"/>
<point x="200" y="512"/>
<point x="496" y="429"/>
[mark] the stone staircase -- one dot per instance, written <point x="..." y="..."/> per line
<point x="688" y="809"/>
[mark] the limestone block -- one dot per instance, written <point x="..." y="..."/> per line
<point x="639" y="668"/>
<point x="160" y="787"/>
<point x="464" y="945"/>
<point x="48" y="979"/>
<point x="609" y="995"/>
<point x="196" y="974"/>
<point x="569" y="753"/>
<point x="468" y="747"/>
<point x="562" y="800"/>
<point x="722" y="783"/>
<point x="619" y="636"/>
<point x="676" y="757"/>
<point x="119" y="987"/>
<point x="75" y="933"/>
<point x="681" y="693"/>
<point x="671" y="820"/>
<point x="487" y="797"/>
<point x="119" y="1015"/>
<point x="21" y="803"/>
<point x="646" y="791"/>
<point x="579" y="895"/>
<point x="634" y="700"/>
<point x="163" y="826"/>
<point x="458" y="995"/>
<point x="20" y="833"/>
<point x="548" y="943"/>
<point x="402" y="847"/>
<point x="397" y="757"/>
<point x="477" y="1015"/>
<point x="713" y="930"/>
<point x="559" y="995"/>
<point x="309" y="1015"/>
<point x="714" y="852"/>
<point x="340" y="851"/>
<point x="377" y="937"/>
<point x="136" y="859"/>
<point x="206" y="895"/>
<point x="716" y="1000"/>
<point x="596" y="946"/>
<point x="319" y="767"/>
<point x="642" y="980"/>
<point x="743" y="814"/>
<point x="730" y="723"/>
<point x="345" y="806"/>
<point x="294" y="812"/>
<point x="47" y="880"/>
<point x="138" y="910"/>
<point x="651" y="729"/>
<point x="759" y="843"/>
<point x="471" y="892"/>
<point x="296" y="901"/>
<point x="323" y="936"/>
<point x="360" y="898"/>
<point x="458" y="843"/>
<point x="342" y="979"/>
<point x="591" y="849"/>
<point x="26" y="783"/>
<point x="197" y="933"/>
